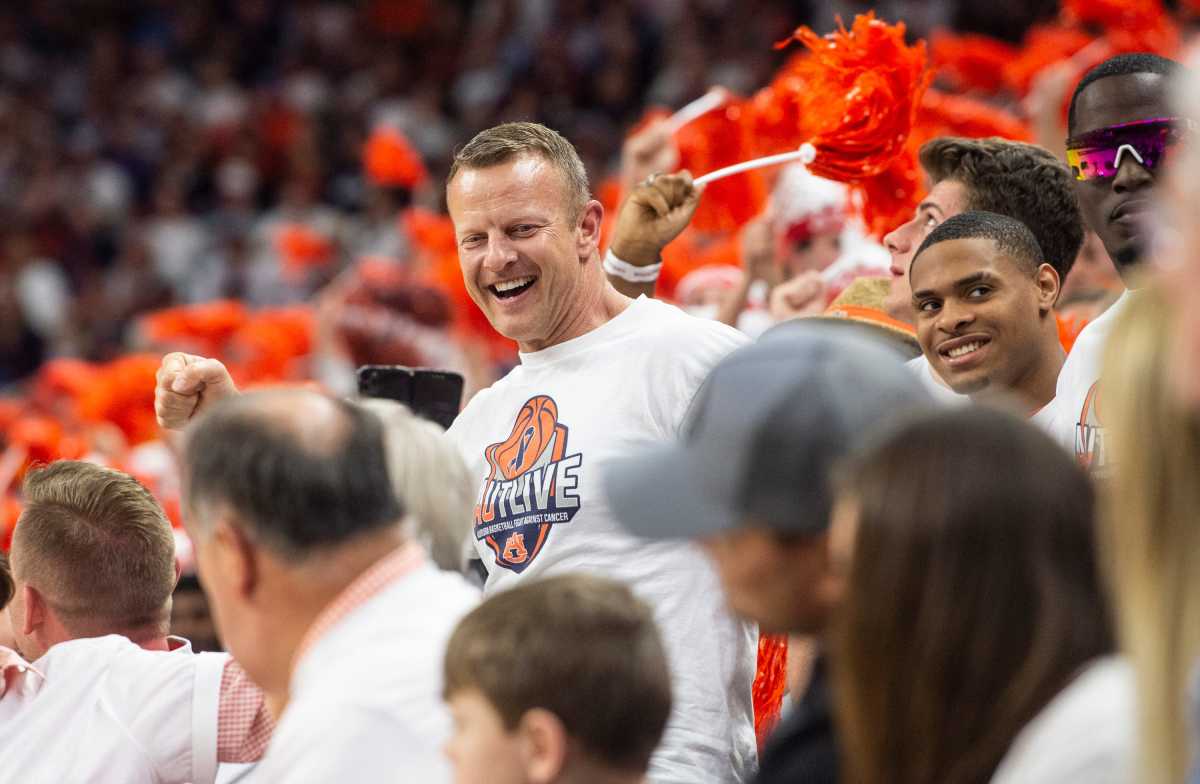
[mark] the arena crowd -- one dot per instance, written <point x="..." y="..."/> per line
<point x="874" y="464"/>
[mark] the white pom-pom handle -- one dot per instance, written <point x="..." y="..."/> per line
<point x="806" y="155"/>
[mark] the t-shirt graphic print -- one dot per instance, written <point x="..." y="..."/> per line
<point x="532" y="485"/>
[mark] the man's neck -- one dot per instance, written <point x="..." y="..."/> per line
<point x="597" y="309"/>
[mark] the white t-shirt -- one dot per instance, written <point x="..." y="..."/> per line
<point x="538" y="441"/>
<point x="921" y="368"/>
<point x="1075" y="421"/>
<point x="109" y="711"/>
<point x="1086" y="734"/>
<point x="366" y="699"/>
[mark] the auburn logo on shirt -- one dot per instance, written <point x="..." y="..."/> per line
<point x="1089" y="432"/>
<point x="531" y="486"/>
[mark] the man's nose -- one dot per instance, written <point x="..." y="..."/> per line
<point x="1131" y="176"/>
<point x="899" y="245"/>
<point x="500" y="253"/>
<point x="954" y="317"/>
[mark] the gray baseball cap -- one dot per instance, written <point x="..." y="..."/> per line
<point x="764" y="431"/>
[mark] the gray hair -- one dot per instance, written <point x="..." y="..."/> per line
<point x="430" y="476"/>
<point x="504" y="142"/>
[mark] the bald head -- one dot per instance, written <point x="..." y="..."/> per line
<point x="297" y="469"/>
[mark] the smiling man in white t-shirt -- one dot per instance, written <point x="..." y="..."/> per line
<point x="599" y="374"/>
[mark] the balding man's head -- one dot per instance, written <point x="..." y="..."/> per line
<point x="298" y="470"/>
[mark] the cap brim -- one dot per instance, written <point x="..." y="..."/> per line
<point x="658" y="494"/>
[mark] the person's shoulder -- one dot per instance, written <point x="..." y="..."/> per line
<point x="1086" y="733"/>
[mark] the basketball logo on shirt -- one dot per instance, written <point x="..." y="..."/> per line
<point x="1089" y="432"/>
<point x="531" y="486"/>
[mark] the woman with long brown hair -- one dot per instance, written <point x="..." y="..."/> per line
<point x="973" y="599"/>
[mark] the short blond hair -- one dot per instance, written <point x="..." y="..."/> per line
<point x="504" y="142"/>
<point x="95" y="543"/>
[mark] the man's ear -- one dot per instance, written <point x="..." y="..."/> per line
<point x="1049" y="287"/>
<point x="589" y="229"/>
<point x="36" y="610"/>
<point x="544" y="744"/>
<point x="236" y="557"/>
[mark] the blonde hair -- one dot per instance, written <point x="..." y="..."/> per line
<point x="1151" y="535"/>
<point x="97" y="545"/>
<point x="504" y="142"/>
<point x="430" y="479"/>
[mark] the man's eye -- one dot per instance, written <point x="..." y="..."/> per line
<point x="524" y="230"/>
<point x="930" y="220"/>
<point x="928" y="306"/>
<point x="471" y="240"/>
<point x="978" y="291"/>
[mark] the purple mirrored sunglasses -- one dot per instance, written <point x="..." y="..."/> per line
<point x="1098" y="153"/>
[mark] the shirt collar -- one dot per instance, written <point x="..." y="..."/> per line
<point x="14" y="670"/>
<point x="379" y="576"/>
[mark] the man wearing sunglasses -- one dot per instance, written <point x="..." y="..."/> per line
<point x="1121" y="129"/>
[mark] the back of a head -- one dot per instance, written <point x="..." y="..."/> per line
<point x="1152" y="542"/>
<point x="429" y="474"/>
<point x="973" y="597"/>
<point x="301" y="471"/>
<point x="99" y="549"/>
<point x="507" y="141"/>
<point x="581" y="647"/>
<point x="1019" y="180"/>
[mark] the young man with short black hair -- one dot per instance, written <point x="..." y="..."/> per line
<point x="984" y="298"/>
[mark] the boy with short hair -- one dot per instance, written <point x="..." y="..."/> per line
<point x="557" y="680"/>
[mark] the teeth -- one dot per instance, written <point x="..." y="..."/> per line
<point x="961" y="350"/>
<point x="515" y="283"/>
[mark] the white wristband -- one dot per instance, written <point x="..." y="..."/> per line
<point x="626" y="271"/>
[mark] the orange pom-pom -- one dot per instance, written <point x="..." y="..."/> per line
<point x="1044" y="45"/>
<point x="711" y="142"/>
<point x="10" y="513"/>
<point x="970" y="62"/>
<point x="861" y="89"/>
<point x="123" y="394"/>
<point x="770" y="683"/>
<point x="201" y="329"/>
<point x="301" y="247"/>
<point x="391" y="161"/>
<point x="772" y="118"/>
<point x="943" y="114"/>
<point x="889" y="199"/>
<point x="1131" y="25"/>
<point x="271" y="344"/>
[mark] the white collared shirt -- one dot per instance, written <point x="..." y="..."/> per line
<point x="104" y="710"/>
<point x="366" y="689"/>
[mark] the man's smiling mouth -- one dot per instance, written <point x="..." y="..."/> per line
<point x="506" y="289"/>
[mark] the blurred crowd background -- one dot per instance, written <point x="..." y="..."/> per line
<point x="151" y="151"/>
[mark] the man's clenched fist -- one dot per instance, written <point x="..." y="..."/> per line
<point x="655" y="213"/>
<point x="185" y="385"/>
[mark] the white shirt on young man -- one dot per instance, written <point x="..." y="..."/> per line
<point x="105" y="710"/>
<point x="1075" y="420"/>
<point x="538" y="441"/>
<point x="365" y="696"/>
<point x="920" y="367"/>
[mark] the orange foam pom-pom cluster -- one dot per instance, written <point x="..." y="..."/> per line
<point x="1131" y="25"/>
<point x="391" y="161"/>
<point x="713" y="141"/>
<point x="860" y="92"/>
<point x="770" y="684"/>
<point x="970" y="61"/>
